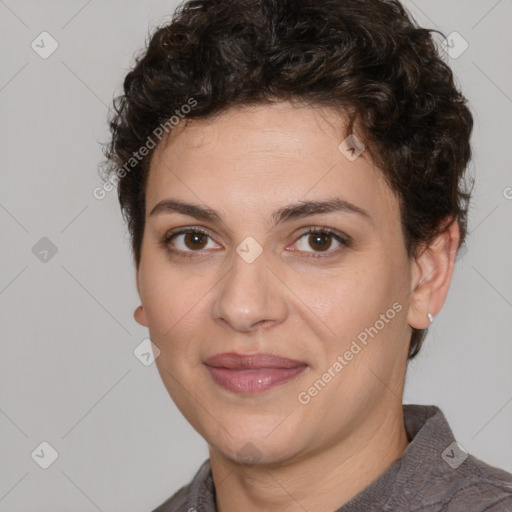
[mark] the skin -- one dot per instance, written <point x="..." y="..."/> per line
<point x="246" y="164"/>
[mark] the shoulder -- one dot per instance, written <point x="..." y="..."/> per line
<point x="437" y="474"/>
<point x="474" y="486"/>
<point x="483" y="488"/>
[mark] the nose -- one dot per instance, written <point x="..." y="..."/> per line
<point x="250" y="297"/>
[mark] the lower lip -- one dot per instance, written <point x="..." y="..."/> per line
<point x="255" y="380"/>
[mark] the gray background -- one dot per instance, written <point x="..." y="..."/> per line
<point x="68" y="375"/>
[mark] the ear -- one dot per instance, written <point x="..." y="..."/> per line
<point x="432" y="273"/>
<point x="139" y="314"/>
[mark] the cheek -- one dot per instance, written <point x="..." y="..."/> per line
<point x="168" y="299"/>
<point x="356" y="298"/>
<point x="178" y="311"/>
<point x="366" y="312"/>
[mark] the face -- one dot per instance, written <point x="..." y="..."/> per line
<point x="274" y="245"/>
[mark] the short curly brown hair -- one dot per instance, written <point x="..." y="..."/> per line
<point x="368" y="57"/>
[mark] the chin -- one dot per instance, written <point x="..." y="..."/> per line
<point x="255" y="441"/>
<point x="256" y="452"/>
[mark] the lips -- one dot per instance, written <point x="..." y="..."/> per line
<point x="252" y="373"/>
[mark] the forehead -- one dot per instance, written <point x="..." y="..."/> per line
<point x="262" y="157"/>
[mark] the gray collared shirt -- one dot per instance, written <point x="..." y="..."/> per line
<point x="433" y="475"/>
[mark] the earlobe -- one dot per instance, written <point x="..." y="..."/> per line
<point x="432" y="275"/>
<point x="140" y="316"/>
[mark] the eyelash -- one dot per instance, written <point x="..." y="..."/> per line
<point x="344" y="240"/>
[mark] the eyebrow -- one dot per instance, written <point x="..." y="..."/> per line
<point x="287" y="213"/>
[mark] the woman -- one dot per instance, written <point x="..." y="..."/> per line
<point x="292" y="177"/>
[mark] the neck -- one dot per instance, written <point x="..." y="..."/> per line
<point x="323" y="481"/>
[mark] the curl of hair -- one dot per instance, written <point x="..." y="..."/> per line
<point x="367" y="57"/>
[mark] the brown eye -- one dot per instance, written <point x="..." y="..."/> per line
<point x="194" y="240"/>
<point x="186" y="242"/>
<point x="320" y="241"/>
